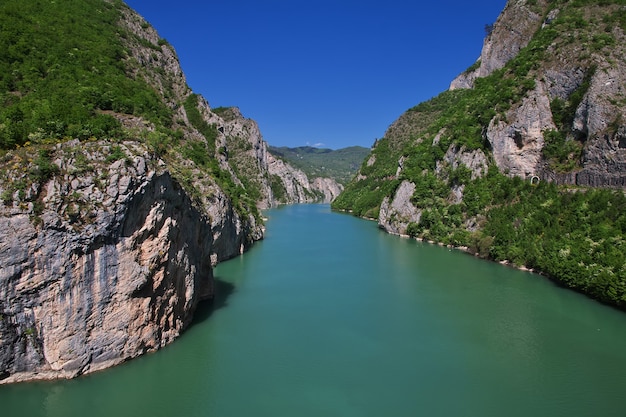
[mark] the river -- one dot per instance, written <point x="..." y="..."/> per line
<point x="329" y="316"/>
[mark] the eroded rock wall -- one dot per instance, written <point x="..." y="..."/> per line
<point x="570" y="66"/>
<point x="84" y="288"/>
<point x="511" y="32"/>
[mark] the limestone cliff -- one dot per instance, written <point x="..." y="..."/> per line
<point x="244" y="152"/>
<point x="110" y="265"/>
<point x="579" y="67"/>
<point x="328" y="187"/>
<point x="327" y="170"/>
<point x="511" y="32"/>
<point x="292" y="185"/>
<point x="107" y="243"/>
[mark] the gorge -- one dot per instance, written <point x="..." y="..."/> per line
<point x="122" y="189"/>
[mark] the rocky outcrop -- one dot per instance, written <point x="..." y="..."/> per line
<point x="398" y="211"/>
<point x="111" y="265"/>
<point x="476" y="161"/>
<point x="511" y="32"/>
<point x="328" y="187"/>
<point x="517" y="140"/>
<point x="597" y="123"/>
<point x="581" y="99"/>
<point x="295" y="182"/>
<point x="240" y="147"/>
<point x="396" y="214"/>
<point x="157" y="63"/>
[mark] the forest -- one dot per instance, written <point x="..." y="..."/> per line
<point x="59" y="77"/>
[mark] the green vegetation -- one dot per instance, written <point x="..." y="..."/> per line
<point x="564" y="153"/>
<point x="67" y="71"/>
<point x="573" y="235"/>
<point x="59" y="76"/>
<point x="278" y="189"/>
<point x="44" y="167"/>
<point x="202" y="153"/>
<point x="363" y="197"/>
<point x="197" y="121"/>
<point x="340" y="164"/>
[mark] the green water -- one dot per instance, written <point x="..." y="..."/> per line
<point x="329" y="316"/>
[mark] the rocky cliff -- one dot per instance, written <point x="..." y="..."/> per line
<point x="575" y="62"/>
<point x="523" y="159"/>
<point x="107" y="239"/>
<point x="105" y="260"/>
<point x="328" y="170"/>
<point x="298" y="188"/>
<point x="244" y="153"/>
<point x="544" y="102"/>
<point x="111" y="265"/>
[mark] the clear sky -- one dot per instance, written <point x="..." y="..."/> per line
<point x="321" y="72"/>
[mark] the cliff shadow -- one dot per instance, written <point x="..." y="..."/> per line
<point x="223" y="290"/>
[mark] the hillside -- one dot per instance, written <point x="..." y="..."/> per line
<point x="120" y="188"/>
<point x="507" y="162"/>
<point x="340" y="164"/>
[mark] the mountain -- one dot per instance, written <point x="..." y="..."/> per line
<point x="523" y="159"/>
<point x="340" y="164"/>
<point x="120" y="188"/>
<point x="327" y="170"/>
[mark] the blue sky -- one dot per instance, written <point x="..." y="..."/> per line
<point x="319" y="72"/>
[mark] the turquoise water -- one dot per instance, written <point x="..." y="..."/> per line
<point x="329" y="316"/>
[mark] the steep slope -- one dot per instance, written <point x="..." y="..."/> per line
<point x="120" y="189"/>
<point x="339" y="164"/>
<point x="480" y="165"/>
<point x="328" y="170"/>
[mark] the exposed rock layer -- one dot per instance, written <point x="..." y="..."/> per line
<point x="517" y="139"/>
<point x="80" y="296"/>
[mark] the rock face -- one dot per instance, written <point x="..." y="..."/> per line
<point x="245" y="155"/>
<point x="398" y="212"/>
<point x="395" y="215"/>
<point x="84" y="289"/>
<point x="573" y="89"/>
<point x="511" y="32"/>
<point x="599" y="121"/>
<point x="329" y="188"/>
<point x="295" y="182"/>
<point x="297" y="187"/>
<point x="517" y="140"/>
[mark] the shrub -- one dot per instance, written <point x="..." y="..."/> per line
<point x="115" y="153"/>
<point x="44" y="167"/>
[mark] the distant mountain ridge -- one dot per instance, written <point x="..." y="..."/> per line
<point x="340" y="164"/>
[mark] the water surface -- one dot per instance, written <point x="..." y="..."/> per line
<point x="329" y="316"/>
